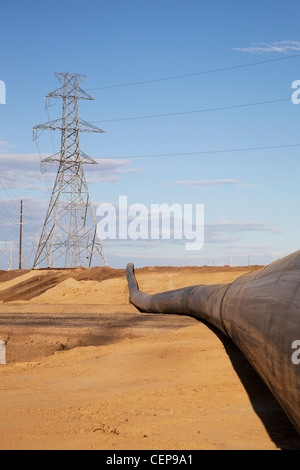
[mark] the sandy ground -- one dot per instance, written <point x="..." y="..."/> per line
<point x="86" y="370"/>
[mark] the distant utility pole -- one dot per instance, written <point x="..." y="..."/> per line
<point x="21" y="228"/>
<point x="68" y="237"/>
<point x="11" y="255"/>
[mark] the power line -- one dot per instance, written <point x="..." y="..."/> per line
<point x="195" y="111"/>
<point x="175" y="77"/>
<point x="8" y="188"/>
<point x="10" y="213"/>
<point x="13" y="198"/>
<point x="51" y="132"/>
<point x="45" y="176"/>
<point x="202" y="152"/>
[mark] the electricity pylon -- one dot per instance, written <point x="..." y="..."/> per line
<point x="69" y="235"/>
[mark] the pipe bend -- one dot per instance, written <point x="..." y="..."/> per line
<point x="203" y="301"/>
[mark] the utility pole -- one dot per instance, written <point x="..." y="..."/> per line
<point x="21" y="227"/>
<point x="68" y="237"/>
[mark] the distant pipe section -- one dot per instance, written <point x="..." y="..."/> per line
<point x="259" y="312"/>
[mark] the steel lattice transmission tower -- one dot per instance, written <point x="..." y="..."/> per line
<point x="69" y="235"/>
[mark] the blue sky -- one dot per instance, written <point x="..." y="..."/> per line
<point x="250" y="197"/>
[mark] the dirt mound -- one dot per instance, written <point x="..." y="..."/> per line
<point x="32" y="283"/>
<point x="198" y="269"/>
<point x="72" y="291"/>
<point x="9" y="275"/>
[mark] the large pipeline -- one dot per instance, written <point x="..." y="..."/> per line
<point x="259" y="312"/>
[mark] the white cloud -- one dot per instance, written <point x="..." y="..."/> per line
<point x="109" y="170"/>
<point x="231" y="226"/>
<point x="22" y="170"/>
<point x="217" y="182"/>
<point x="5" y="144"/>
<point x="283" y="47"/>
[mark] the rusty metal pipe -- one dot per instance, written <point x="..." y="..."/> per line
<point x="259" y="312"/>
